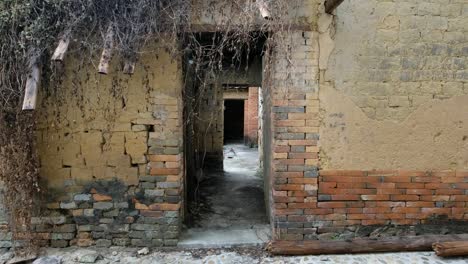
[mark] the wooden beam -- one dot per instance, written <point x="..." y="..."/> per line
<point x="62" y="47"/>
<point x="203" y="28"/>
<point x="32" y="85"/>
<point x="264" y="9"/>
<point x="451" y="249"/>
<point x="411" y="243"/>
<point x="331" y="5"/>
<point x="129" y="67"/>
<point x="235" y="95"/>
<point x="106" y="55"/>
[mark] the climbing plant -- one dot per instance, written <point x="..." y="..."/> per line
<point x="31" y="29"/>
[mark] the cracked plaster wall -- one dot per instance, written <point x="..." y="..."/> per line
<point x="394" y="85"/>
<point x="101" y="127"/>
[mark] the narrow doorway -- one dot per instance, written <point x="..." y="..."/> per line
<point x="225" y="184"/>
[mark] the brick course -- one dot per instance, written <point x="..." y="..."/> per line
<point x="251" y="117"/>
<point x="352" y="198"/>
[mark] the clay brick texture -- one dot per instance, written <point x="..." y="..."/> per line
<point x="251" y="117"/>
<point x="295" y="152"/>
<point x="392" y="197"/>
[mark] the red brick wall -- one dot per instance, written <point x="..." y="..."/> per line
<point x="246" y="121"/>
<point x="353" y="198"/>
<point x="391" y="197"/>
<point x="307" y="200"/>
<point x="251" y="117"/>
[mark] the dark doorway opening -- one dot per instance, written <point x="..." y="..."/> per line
<point x="233" y="121"/>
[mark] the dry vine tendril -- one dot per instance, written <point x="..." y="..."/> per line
<point x="33" y="27"/>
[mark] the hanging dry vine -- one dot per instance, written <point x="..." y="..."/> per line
<point x="112" y="28"/>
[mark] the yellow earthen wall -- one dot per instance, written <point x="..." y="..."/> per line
<point x="102" y="126"/>
<point x="394" y="85"/>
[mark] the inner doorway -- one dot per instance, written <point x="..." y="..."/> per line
<point x="234" y="121"/>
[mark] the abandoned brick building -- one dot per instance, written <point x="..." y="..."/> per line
<point x="371" y="131"/>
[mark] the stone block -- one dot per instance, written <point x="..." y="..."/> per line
<point x="84" y="242"/>
<point x="121" y="242"/>
<point x="121" y="205"/>
<point x="52" y="220"/>
<point x="59" y="243"/>
<point x="144" y="227"/>
<point x="85" y="228"/>
<point x="82" y="197"/>
<point x="112" y="213"/>
<point x="170" y="242"/>
<point x="68" y="205"/>
<point x="66" y="228"/>
<point x="62" y="236"/>
<point x="103" y="205"/>
<point x="154" y="193"/>
<point x="103" y="243"/>
<point x="88" y="212"/>
<point x="167" y="185"/>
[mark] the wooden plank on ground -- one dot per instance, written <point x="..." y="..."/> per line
<point x="398" y="244"/>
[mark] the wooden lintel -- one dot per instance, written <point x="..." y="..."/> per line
<point x="106" y="55"/>
<point x="210" y="28"/>
<point x="331" y="5"/>
<point x="62" y="47"/>
<point x="264" y="9"/>
<point x="236" y="95"/>
<point x="400" y="244"/>
<point x="32" y="86"/>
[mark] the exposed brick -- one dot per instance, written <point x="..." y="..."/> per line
<point x="101" y="197"/>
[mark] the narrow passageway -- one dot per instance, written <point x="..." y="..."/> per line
<point x="232" y="210"/>
<point x="235" y="196"/>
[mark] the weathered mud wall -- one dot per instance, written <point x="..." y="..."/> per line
<point x="394" y="87"/>
<point x="110" y="149"/>
<point x="209" y="13"/>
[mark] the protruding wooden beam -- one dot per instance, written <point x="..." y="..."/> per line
<point x="107" y="51"/>
<point x="264" y="9"/>
<point x="129" y="67"/>
<point x="62" y="47"/>
<point x="32" y="85"/>
<point x="331" y="5"/>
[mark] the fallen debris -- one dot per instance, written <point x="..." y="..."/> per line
<point x="48" y="260"/>
<point x="20" y="259"/>
<point x="143" y="251"/>
<point x="89" y="258"/>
